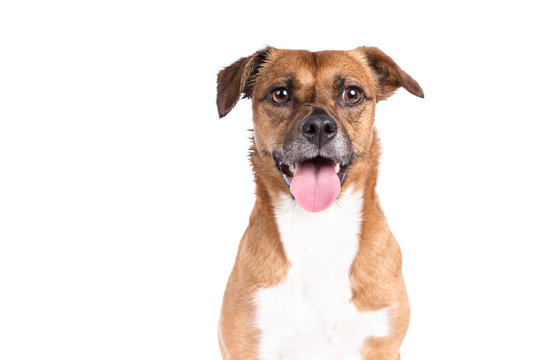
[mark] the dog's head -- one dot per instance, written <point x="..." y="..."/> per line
<point x="313" y="114"/>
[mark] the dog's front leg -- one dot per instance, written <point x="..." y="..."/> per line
<point x="384" y="348"/>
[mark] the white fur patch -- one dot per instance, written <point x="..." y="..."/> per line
<point x="309" y="315"/>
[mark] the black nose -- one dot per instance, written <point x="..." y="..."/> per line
<point x="318" y="129"/>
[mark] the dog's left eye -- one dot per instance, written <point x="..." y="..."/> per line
<point x="280" y="95"/>
<point x="353" y="94"/>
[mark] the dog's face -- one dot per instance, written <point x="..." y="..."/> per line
<point x="313" y="113"/>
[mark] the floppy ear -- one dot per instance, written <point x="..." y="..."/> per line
<point x="238" y="78"/>
<point x="389" y="75"/>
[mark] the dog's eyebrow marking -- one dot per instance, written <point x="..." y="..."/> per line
<point x="290" y="80"/>
<point x="292" y="83"/>
<point x="339" y="82"/>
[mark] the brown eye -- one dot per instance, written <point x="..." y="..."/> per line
<point x="353" y="94"/>
<point x="280" y="95"/>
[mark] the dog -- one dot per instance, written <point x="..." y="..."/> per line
<point x="318" y="272"/>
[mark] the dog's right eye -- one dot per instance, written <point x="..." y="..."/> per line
<point x="279" y="95"/>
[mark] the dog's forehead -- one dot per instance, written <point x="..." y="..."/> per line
<point x="321" y="67"/>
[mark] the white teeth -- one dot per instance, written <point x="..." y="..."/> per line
<point x="287" y="181"/>
<point x="292" y="169"/>
<point x="337" y="168"/>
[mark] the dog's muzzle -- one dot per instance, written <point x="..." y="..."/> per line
<point x="315" y="161"/>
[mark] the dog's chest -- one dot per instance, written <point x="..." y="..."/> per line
<point x="309" y="315"/>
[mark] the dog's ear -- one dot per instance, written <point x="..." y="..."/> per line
<point x="389" y="75"/>
<point x="238" y="78"/>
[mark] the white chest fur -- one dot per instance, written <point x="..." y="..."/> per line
<point x="309" y="315"/>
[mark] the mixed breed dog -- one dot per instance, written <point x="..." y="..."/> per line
<point x="318" y="271"/>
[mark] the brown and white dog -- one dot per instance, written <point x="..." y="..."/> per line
<point x="318" y="272"/>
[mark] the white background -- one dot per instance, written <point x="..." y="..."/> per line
<point x="123" y="196"/>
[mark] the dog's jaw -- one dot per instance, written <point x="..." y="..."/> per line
<point x="315" y="183"/>
<point x="288" y="170"/>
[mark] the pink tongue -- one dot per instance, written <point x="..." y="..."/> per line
<point x="315" y="184"/>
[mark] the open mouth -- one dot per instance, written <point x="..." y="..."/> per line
<point x="315" y="183"/>
<point x="288" y="171"/>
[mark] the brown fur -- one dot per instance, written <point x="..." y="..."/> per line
<point x="376" y="278"/>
